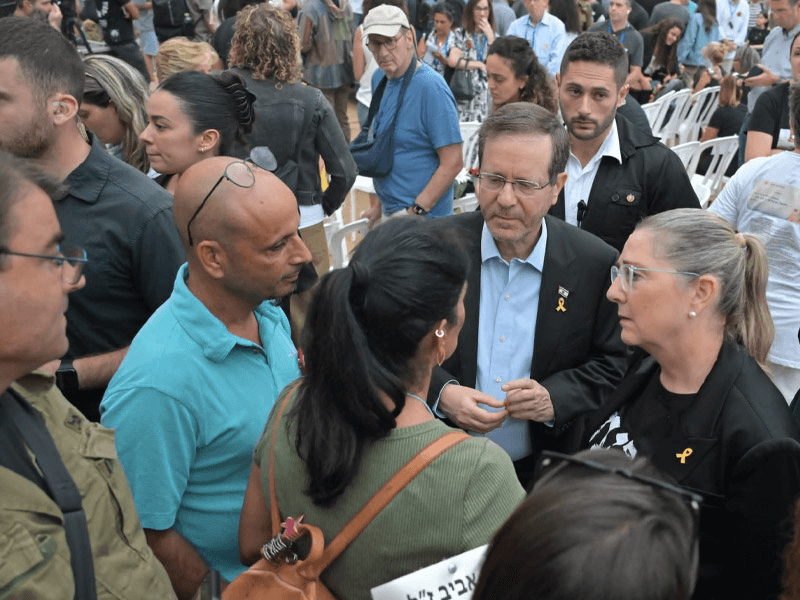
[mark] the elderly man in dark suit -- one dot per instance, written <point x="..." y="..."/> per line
<point x="540" y="345"/>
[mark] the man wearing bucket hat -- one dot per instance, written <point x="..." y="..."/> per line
<point x="427" y="139"/>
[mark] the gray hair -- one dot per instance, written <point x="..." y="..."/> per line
<point x="530" y="119"/>
<point x="702" y="242"/>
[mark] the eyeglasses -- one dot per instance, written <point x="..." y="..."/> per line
<point x="390" y="44"/>
<point x="628" y="271"/>
<point x="522" y="188"/>
<point x="692" y="500"/>
<point x="71" y="261"/>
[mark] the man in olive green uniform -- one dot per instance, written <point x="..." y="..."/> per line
<point x="35" y="558"/>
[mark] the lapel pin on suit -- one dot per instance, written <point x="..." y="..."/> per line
<point x="683" y="455"/>
<point x="563" y="292"/>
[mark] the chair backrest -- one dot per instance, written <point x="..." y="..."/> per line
<point x="722" y="151"/>
<point x="467" y="203"/>
<point x="339" y="241"/>
<point x="469" y="147"/>
<point x="668" y="130"/>
<point x="686" y="151"/>
<point x="663" y="104"/>
<point x="698" y="113"/>
<point x="651" y="110"/>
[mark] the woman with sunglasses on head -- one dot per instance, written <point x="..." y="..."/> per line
<point x="695" y="400"/>
<point x="113" y="107"/>
<point x="374" y="333"/>
<point x="192" y="116"/>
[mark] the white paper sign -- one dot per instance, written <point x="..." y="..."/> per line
<point x="452" y="579"/>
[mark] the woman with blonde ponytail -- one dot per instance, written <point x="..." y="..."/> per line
<point x="696" y="401"/>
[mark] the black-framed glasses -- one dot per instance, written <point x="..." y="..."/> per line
<point x="239" y="174"/>
<point x="70" y="259"/>
<point x="390" y="44"/>
<point x="523" y="188"/>
<point x="628" y="271"/>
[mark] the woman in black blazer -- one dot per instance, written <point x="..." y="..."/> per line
<point x="691" y="297"/>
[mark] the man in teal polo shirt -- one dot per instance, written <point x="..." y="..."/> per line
<point x="190" y="400"/>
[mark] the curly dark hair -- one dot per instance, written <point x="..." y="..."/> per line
<point x="539" y="88"/>
<point x="266" y="42"/>
<point x="663" y="54"/>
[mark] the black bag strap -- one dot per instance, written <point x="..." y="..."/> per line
<point x="377" y="95"/>
<point x="59" y="485"/>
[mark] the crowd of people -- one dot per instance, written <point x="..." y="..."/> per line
<point x="180" y="365"/>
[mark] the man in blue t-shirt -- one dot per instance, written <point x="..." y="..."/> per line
<point x="427" y="138"/>
<point x="191" y="398"/>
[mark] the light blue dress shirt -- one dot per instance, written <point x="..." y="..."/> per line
<point x="690" y="48"/>
<point x="506" y="328"/>
<point x="547" y="38"/>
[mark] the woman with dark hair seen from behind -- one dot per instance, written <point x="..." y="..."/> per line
<point x="696" y="401"/>
<point x="516" y="75"/>
<point x="192" y="116"/>
<point x="440" y="40"/>
<point x="113" y="107"/>
<point x="264" y="54"/>
<point x="394" y="312"/>
<point x="469" y="52"/>
<point x="586" y="532"/>
<point x="726" y="120"/>
<point x="659" y="57"/>
<point x="567" y="11"/>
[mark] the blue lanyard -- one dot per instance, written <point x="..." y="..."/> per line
<point x="621" y="37"/>
<point x="479" y="53"/>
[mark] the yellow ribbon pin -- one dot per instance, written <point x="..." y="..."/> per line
<point x="683" y="455"/>
<point x="560" y="306"/>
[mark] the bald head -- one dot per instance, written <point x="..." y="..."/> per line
<point x="232" y="208"/>
<point x="245" y="240"/>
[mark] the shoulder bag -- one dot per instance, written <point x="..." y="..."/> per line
<point x="298" y="579"/>
<point x="373" y="153"/>
<point x="461" y="83"/>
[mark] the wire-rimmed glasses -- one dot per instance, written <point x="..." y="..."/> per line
<point x="523" y="188"/>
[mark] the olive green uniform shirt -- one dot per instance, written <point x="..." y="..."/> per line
<point x="34" y="555"/>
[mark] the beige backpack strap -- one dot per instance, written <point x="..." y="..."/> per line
<point x="273" y="494"/>
<point x="384" y="495"/>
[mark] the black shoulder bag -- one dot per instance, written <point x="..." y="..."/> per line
<point x="374" y="154"/>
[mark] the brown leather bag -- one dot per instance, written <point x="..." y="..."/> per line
<point x="300" y="580"/>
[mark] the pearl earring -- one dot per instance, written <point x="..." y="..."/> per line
<point x="692" y="314"/>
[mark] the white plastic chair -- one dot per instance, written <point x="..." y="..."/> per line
<point x="469" y="146"/>
<point x="686" y="152"/>
<point x="339" y="241"/>
<point x="722" y="151"/>
<point x="700" y="108"/>
<point x="651" y="110"/>
<point x="662" y="103"/>
<point x="668" y="130"/>
<point x="467" y="203"/>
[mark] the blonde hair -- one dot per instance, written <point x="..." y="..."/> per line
<point x="266" y="42"/>
<point x="181" y="54"/>
<point x="110" y="80"/>
<point x="702" y="242"/>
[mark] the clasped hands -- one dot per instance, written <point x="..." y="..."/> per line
<point x="526" y="399"/>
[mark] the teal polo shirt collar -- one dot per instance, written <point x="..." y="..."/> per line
<point x="207" y="331"/>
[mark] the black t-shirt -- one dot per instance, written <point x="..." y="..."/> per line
<point x="756" y="36"/>
<point x="771" y="112"/>
<point x="728" y="119"/>
<point x="640" y="426"/>
<point x="117" y="28"/>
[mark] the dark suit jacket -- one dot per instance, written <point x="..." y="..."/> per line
<point x="650" y="180"/>
<point x="578" y="355"/>
<point x="745" y="462"/>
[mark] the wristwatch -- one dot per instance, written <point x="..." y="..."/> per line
<point x="418" y="210"/>
<point x="67" y="377"/>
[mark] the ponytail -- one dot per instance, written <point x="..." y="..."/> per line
<point x="361" y="337"/>
<point x="755" y="331"/>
